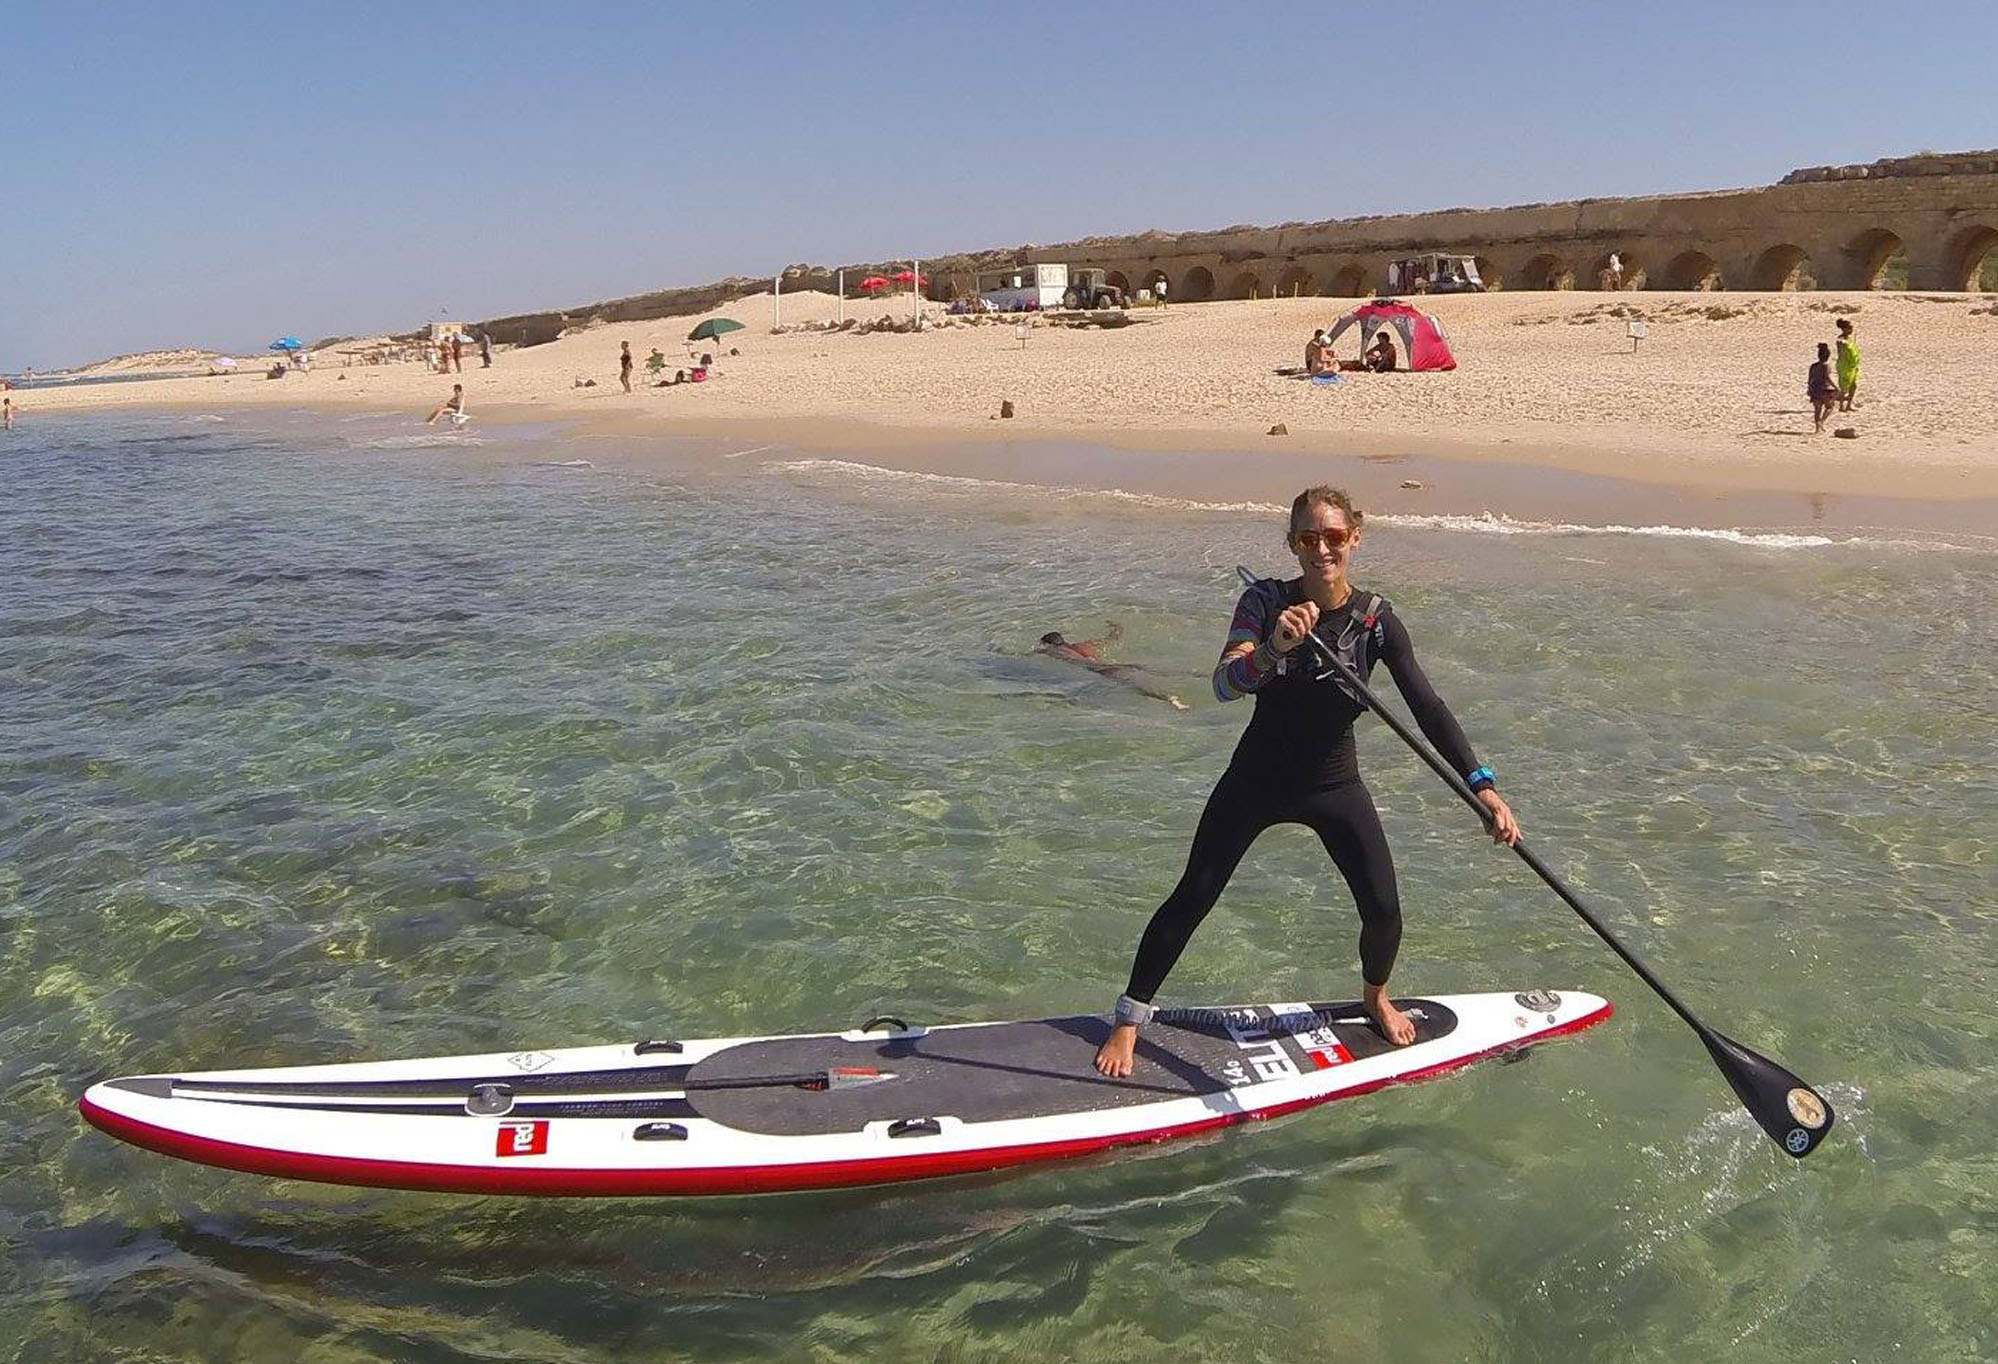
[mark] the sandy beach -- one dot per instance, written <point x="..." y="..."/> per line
<point x="1712" y="398"/>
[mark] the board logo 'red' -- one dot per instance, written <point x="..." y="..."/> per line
<point x="522" y="1139"/>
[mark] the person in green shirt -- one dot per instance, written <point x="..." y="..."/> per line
<point x="1848" y="365"/>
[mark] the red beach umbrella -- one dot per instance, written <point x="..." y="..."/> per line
<point x="909" y="277"/>
<point x="873" y="284"/>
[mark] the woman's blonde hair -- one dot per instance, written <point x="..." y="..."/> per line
<point x="1330" y="496"/>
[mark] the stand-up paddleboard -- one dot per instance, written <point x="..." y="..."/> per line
<point x="754" y="1115"/>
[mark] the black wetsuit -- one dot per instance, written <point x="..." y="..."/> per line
<point x="1297" y="764"/>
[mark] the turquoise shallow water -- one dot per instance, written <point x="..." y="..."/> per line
<point x="321" y="739"/>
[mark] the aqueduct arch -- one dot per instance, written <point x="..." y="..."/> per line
<point x="1118" y="280"/>
<point x="1489" y="272"/>
<point x="1350" y="282"/>
<point x="1974" y="259"/>
<point x="1195" y="286"/>
<point x="1247" y="284"/>
<point x="1694" y="271"/>
<point x="1544" y="271"/>
<point x="1870" y="252"/>
<point x="1599" y="270"/>
<point x="1781" y="269"/>
<point x="1294" y="281"/>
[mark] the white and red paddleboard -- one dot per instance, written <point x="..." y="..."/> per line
<point x="742" y="1115"/>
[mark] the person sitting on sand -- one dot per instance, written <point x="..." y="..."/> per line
<point x="1318" y="354"/>
<point x="1089" y="653"/>
<point x="1380" y="356"/>
<point x="1820" y="389"/>
<point x="455" y="405"/>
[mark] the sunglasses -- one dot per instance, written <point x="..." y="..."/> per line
<point x="1332" y="536"/>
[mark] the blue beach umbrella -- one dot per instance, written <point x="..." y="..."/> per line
<point x="286" y="343"/>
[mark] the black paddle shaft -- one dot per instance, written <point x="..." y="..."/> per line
<point x="1795" y="1115"/>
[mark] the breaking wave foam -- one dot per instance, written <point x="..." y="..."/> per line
<point x="1481" y="523"/>
<point x="962" y="483"/>
<point x="441" y="439"/>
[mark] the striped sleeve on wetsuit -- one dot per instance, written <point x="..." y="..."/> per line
<point x="1238" y="676"/>
<point x="1439" y="726"/>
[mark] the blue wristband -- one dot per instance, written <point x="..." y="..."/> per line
<point x="1481" y="779"/>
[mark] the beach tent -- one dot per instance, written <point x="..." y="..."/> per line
<point x="1422" y="342"/>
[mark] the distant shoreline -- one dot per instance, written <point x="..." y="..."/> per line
<point x="1710" y="410"/>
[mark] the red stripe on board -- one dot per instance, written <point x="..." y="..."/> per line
<point x="402" y="1174"/>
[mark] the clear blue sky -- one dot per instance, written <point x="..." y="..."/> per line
<point x="221" y="174"/>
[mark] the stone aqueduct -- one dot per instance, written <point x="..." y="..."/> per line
<point x="1833" y="227"/>
<point x="1830" y="227"/>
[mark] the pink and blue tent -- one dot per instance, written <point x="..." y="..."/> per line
<point x="1421" y="334"/>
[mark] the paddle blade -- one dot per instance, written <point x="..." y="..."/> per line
<point x="1795" y="1116"/>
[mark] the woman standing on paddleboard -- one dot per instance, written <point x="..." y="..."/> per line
<point x="1297" y="764"/>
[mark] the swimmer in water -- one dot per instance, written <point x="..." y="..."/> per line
<point x="1089" y="653"/>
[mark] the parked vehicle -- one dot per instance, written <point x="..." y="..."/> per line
<point x="1435" y="273"/>
<point x="1091" y="291"/>
<point x="1024" y="288"/>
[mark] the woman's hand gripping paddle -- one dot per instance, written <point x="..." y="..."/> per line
<point x="1795" y="1116"/>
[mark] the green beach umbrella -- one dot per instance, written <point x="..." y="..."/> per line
<point x="713" y="328"/>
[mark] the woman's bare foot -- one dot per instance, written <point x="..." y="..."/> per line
<point x="1113" y="1058"/>
<point x="1395" y="1025"/>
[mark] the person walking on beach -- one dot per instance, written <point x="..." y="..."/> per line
<point x="624" y="366"/>
<point x="457" y="352"/>
<point x="455" y="405"/>
<point x="1848" y="365"/>
<point x="1160" y="290"/>
<point x="1296" y="762"/>
<point x="1819" y="388"/>
<point x="485" y="350"/>
<point x="1090" y="654"/>
<point x="6" y="414"/>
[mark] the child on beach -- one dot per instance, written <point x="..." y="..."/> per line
<point x="1819" y="387"/>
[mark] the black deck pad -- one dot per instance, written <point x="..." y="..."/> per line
<point x="1040" y="1068"/>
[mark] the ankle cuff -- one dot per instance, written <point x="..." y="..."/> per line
<point x="1134" y="1011"/>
